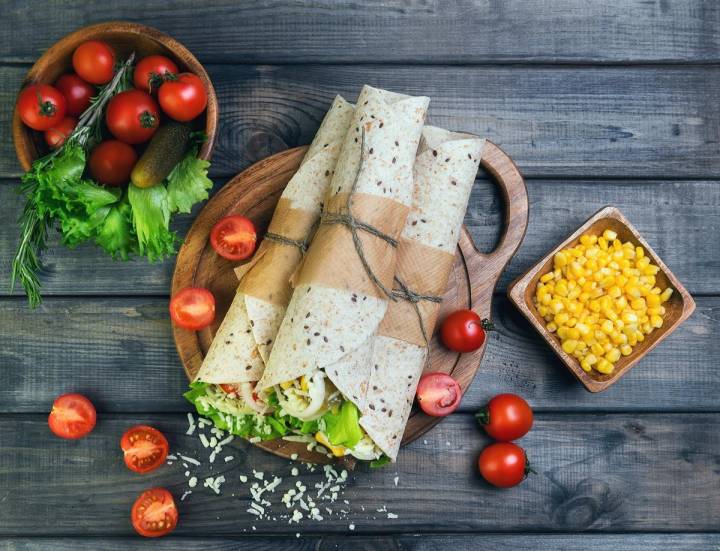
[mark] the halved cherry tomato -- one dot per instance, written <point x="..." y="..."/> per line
<point x="234" y="237"/>
<point x="438" y="394"/>
<point x="193" y="308"/>
<point x="154" y="513"/>
<point x="57" y="135"/>
<point x="111" y="162"/>
<point x="94" y="61"/>
<point x="41" y="106"/>
<point x="76" y="91"/>
<point x="183" y="98"/>
<point x="506" y="417"/>
<point x="229" y="389"/>
<point x="151" y="70"/>
<point x="144" y="447"/>
<point x="504" y="464"/>
<point x="464" y="331"/>
<point x="73" y="416"/>
<point x="132" y="116"/>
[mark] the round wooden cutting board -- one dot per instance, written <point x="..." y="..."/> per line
<point x="254" y="193"/>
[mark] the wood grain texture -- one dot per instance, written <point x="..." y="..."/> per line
<point x="255" y="191"/>
<point x="642" y="472"/>
<point x="677" y="218"/>
<point x="464" y="31"/>
<point x="680" y="306"/>
<point x="401" y="542"/>
<point x="120" y="352"/>
<point x="645" y="122"/>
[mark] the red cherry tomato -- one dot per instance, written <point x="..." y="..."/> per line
<point x="506" y="417"/>
<point x="503" y="464"/>
<point x="438" y="394"/>
<point x="73" y="416"/>
<point x="111" y="162"/>
<point x="41" y="106"/>
<point x="94" y="62"/>
<point x="57" y="135"/>
<point x="234" y="237"/>
<point x="183" y="98"/>
<point x="463" y="331"/>
<point x="144" y="448"/>
<point x="132" y="116"/>
<point x="193" y="308"/>
<point x="229" y="389"/>
<point x="151" y="70"/>
<point x="77" y="93"/>
<point x="154" y="513"/>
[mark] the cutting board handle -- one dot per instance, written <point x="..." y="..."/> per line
<point x="485" y="269"/>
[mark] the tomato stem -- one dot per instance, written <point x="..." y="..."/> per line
<point x="487" y="325"/>
<point x="147" y="120"/>
<point x="483" y="417"/>
<point x="528" y="467"/>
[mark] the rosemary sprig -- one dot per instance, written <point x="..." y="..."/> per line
<point x="34" y="222"/>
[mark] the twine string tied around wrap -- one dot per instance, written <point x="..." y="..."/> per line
<point x="405" y="293"/>
<point x="301" y="245"/>
<point x="354" y="225"/>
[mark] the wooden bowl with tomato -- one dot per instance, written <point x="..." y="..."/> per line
<point x="124" y="38"/>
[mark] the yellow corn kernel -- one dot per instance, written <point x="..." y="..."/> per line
<point x="547" y="277"/>
<point x="607" y="327"/>
<point x="666" y="294"/>
<point x="304" y="383"/>
<point x="551" y="327"/>
<point x="569" y="345"/>
<point x="337" y="451"/>
<point x="618" y="338"/>
<point x="582" y="329"/>
<point x="585" y="365"/>
<point x="639" y="252"/>
<point x="561" y="259"/>
<point x="561" y="288"/>
<point x="625" y="349"/>
<point x="629" y="317"/>
<point x="556" y="305"/>
<point x="656" y="321"/>
<point x="286" y="384"/>
<point x="597" y="349"/>
<point x="604" y="366"/>
<point x="645" y="328"/>
<point x="613" y="355"/>
<point x="610" y="235"/>
<point x="562" y="332"/>
<point x="638" y="304"/>
<point x="561" y="318"/>
<point x="573" y="333"/>
<point x="614" y="291"/>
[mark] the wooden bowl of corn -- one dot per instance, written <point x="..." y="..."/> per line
<point x="602" y="299"/>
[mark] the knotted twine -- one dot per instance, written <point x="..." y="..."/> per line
<point x="347" y="219"/>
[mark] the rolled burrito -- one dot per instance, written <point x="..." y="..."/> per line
<point x="319" y="365"/>
<point x="445" y="169"/>
<point x="225" y="383"/>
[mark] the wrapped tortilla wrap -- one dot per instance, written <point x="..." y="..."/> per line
<point x="445" y="169"/>
<point x="244" y="339"/>
<point x="336" y="306"/>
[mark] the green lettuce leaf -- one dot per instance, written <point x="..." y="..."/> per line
<point x="151" y="221"/>
<point x="266" y="427"/>
<point x="342" y="428"/>
<point x="188" y="183"/>
<point x="379" y="462"/>
<point x="116" y="233"/>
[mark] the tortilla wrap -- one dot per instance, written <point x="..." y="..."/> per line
<point x="245" y="337"/>
<point x="445" y="170"/>
<point x="336" y="307"/>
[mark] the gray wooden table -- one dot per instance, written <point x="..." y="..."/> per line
<point x="598" y="102"/>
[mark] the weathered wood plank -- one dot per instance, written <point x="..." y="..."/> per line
<point x="120" y="352"/>
<point x="263" y="31"/>
<point x="553" y="121"/>
<point x="679" y="219"/>
<point x="600" y="473"/>
<point x="409" y="542"/>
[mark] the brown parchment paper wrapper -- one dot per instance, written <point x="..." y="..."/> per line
<point x="335" y="309"/>
<point x="245" y="337"/>
<point x="444" y="172"/>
